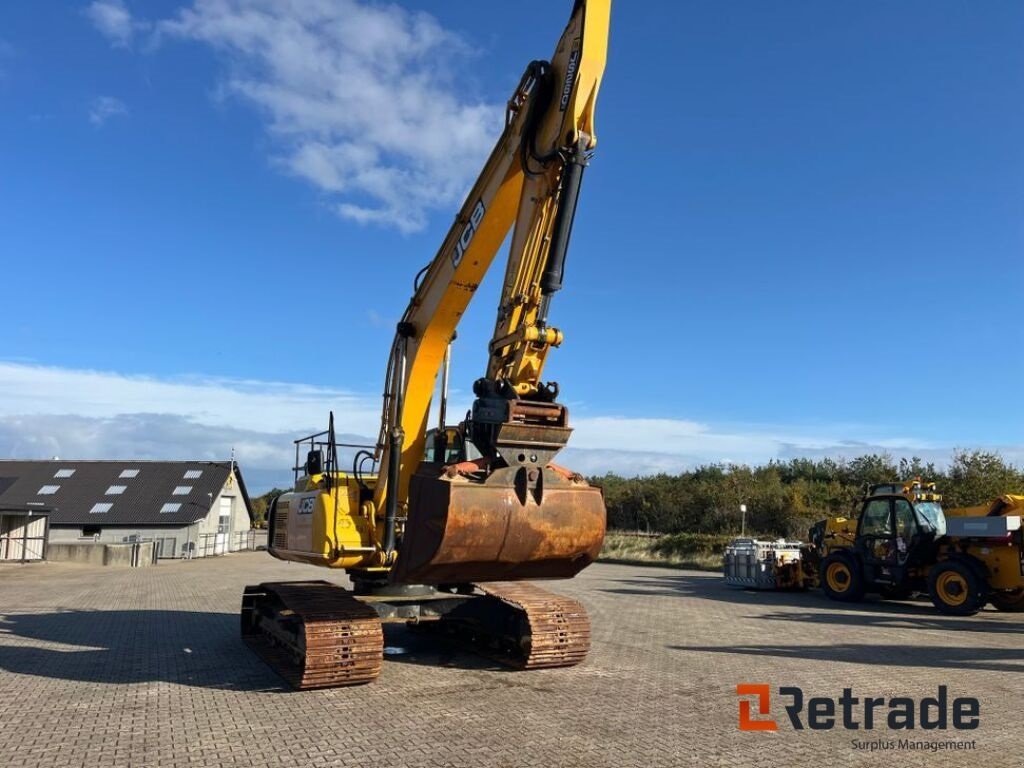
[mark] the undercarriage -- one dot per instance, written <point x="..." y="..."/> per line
<point x="315" y="634"/>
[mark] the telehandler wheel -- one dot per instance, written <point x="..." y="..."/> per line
<point x="1011" y="601"/>
<point x="841" y="578"/>
<point x="956" y="589"/>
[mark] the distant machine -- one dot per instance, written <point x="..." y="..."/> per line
<point x="900" y="542"/>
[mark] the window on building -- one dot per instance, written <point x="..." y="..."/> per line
<point x="116" y="490"/>
<point x="48" y="490"/>
<point x="91" y="530"/>
<point x="127" y="474"/>
<point x="170" y="506"/>
<point x="182" y="490"/>
<point x="193" y="474"/>
<point x="63" y="473"/>
<point x="102" y="506"/>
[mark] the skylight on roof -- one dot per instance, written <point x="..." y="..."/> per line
<point x="127" y="474"/>
<point x="102" y="506"/>
<point x="48" y="490"/>
<point x="116" y="490"/>
<point x="182" y="490"/>
<point x="193" y="474"/>
<point x="170" y="506"/>
<point x="62" y="473"/>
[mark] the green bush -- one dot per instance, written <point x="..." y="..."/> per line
<point x="784" y="498"/>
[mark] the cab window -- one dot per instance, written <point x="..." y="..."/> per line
<point x="931" y="517"/>
<point x="875" y="520"/>
<point x="455" y="448"/>
<point x="905" y="524"/>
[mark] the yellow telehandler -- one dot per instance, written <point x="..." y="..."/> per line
<point x="900" y="542"/>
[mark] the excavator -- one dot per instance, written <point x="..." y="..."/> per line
<point x="442" y="527"/>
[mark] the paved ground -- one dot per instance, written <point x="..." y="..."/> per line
<point x="143" y="667"/>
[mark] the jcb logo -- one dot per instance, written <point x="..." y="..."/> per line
<point x="570" y="74"/>
<point x="763" y="707"/>
<point x="467" y="234"/>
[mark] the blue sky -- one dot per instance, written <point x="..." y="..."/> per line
<point x="802" y="233"/>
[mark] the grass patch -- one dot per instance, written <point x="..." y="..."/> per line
<point x="699" y="551"/>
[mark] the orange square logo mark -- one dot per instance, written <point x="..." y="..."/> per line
<point x="763" y="708"/>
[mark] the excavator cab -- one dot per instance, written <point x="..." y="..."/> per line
<point x="449" y="446"/>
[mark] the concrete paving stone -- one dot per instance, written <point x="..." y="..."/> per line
<point x="144" y="668"/>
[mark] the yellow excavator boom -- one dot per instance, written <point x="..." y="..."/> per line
<point x="513" y="188"/>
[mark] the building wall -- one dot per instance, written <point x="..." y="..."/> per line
<point x="232" y="496"/>
<point x="202" y="534"/>
<point x="22" y="536"/>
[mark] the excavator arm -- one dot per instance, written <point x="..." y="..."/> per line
<point x="530" y="184"/>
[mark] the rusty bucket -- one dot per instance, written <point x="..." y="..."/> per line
<point x="517" y="523"/>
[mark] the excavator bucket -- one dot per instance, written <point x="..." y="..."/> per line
<point x="514" y="523"/>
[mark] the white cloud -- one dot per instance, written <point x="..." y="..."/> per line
<point x="254" y="405"/>
<point x="113" y="20"/>
<point x="47" y="411"/>
<point x="361" y="99"/>
<point x="698" y="442"/>
<point x="105" y="107"/>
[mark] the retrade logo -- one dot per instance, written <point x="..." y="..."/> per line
<point x="853" y="713"/>
<point x="760" y="692"/>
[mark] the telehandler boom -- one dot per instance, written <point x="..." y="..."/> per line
<point x="447" y="522"/>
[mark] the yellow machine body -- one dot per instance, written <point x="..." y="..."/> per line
<point x="840" y="532"/>
<point x="1003" y="560"/>
<point x="1007" y="504"/>
<point x="325" y="527"/>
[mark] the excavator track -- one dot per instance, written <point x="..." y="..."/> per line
<point x="312" y="633"/>
<point x="521" y="625"/>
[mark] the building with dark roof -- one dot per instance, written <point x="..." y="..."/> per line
<point x="200" y="507"/>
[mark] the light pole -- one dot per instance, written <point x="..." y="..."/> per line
<point x="743" y="519"/>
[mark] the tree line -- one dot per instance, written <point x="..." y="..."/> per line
<point x="783" y="498"/>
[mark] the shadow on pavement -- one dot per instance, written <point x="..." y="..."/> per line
<point x="428" y="648"/>
<point x="873" y="611"/>
<point x="183" y="647"/>
<point x="991" y="659"/>
<point x="900" y="616"/>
